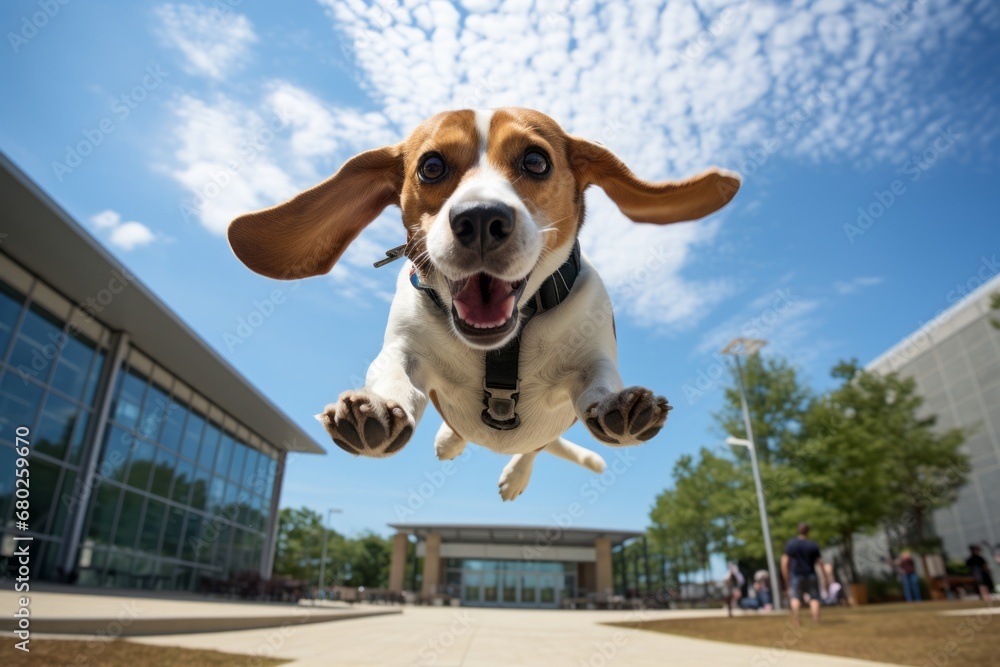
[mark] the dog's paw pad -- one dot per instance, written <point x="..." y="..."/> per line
<point x="629" y="417"/>
<point x="363" y="423"/>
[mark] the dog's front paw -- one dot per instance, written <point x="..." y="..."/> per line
<point x="629" y="417"/>
<point x="363" y="423"/>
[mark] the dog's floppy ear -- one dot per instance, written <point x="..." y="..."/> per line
<point x="642" y="201"/>
<point x="307" y="234"/>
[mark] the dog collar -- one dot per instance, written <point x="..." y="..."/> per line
<point x="501" y="384"/>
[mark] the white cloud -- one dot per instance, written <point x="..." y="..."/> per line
<point x="851" y="286"/>
<point x="672" y="89"/>
<point x="214" y="42"/>
<point x="106" y="219"/>
<point x="130" y="235"/>
<point x="125" y="235"/>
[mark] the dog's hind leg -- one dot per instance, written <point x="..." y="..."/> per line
<point x="565" y="449"/>
<point x="516" y="474"/>
<point x="448" y="444"/>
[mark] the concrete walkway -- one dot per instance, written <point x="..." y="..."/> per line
<point x="121" y="616"/>
<point x="471" y="637"/>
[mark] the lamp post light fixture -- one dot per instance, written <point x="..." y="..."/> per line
<point x="322" y="560"/>
<point x="736" y="348"/>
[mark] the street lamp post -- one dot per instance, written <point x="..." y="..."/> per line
<point x="322" y="560"/>
<point x="736" y="348"/>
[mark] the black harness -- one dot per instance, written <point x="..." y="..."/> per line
<point x="501" y="384"/>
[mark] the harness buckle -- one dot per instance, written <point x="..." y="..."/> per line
<point x="500" y="407"/>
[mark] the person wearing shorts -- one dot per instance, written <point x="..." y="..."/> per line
<point x="798" y="565"/>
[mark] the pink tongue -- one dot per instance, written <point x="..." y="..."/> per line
<point x="491" y="309"/>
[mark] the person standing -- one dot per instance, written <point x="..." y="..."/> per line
<point x="980" y="570"/>
<point x="798" y="566"/>
<point x="911" y="584"/>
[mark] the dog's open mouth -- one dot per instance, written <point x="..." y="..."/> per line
<point x="483" y="305"/>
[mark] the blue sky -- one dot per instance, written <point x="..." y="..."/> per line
<point x="191" y="113"/>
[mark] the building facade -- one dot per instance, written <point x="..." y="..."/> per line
<point x="955" y="361"/>
<point x="506" y="566"/>
<point x="153" y="464"/>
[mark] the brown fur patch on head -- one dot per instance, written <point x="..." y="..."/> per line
<point x="452" y="135"/>
<point x="555" y="201"/>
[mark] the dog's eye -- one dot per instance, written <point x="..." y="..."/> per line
<point x="535" y="162"/>
<point x="432" y="169"/>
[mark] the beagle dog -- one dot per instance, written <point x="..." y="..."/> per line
<point x="498" y="320"/>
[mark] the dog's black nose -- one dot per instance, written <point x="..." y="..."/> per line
<point x="482" y="224"/>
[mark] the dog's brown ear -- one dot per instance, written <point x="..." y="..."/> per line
<point x="307" y="234"/>
<point x="642" y="201"/>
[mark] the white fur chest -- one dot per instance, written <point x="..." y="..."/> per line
<point x="555" y="347"/>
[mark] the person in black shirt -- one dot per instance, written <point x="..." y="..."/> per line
<point x="798" y="565"/>
<point x="980" y="571"/>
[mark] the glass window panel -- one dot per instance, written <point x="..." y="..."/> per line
<point x="199" y="491"/>
<point x="183" y="480"/>
<point x="44" y="493"/>
<point x="128" y="522"/>
<point x="236" y="466"/>
<point x="73" y="366"/>
<point x="192" y="533"/>
<point x="163" y="472"/>
<point x="7" y="458"/>
<point x="141" y="465"/>
<point x="95" y="377"/>
<point x="64" y="502"/>
<point x="154" y="411"/>
<point x="56" y="426"/>
<point x="129" y="399"/>
<point x="229" y="499"/>
<point x="172" y="532"/>
<point x="152" y="524"/>
<point x="76" y="441"/>
<point x="36" y="343"/>
<point x="117" y="445"/>
<point x="10" y="309"/>
<point x="102" y="516"/>
<point x="216" y="494"/>
<point x="225" y="454"/>
<point x="19" y="401"/>
<point x="209" y="446"/>
<point x="173" y="426"/>
<point x="251" y="471"/>
<point x="193" y="427"/>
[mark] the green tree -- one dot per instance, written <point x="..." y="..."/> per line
<point x="361" y="561"/>
<point x="869" y="456"/>
<point x="995" y="305"/>
<point x="777" y="400"/>
<point x="694" y="519"/>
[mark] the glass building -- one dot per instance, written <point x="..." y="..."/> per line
<point x="955" y="361"/>
<point x="509" y="566"/>
<point x="153" y="463"/>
